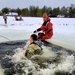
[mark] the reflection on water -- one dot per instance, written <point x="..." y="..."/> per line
<point x="55" y="60"/>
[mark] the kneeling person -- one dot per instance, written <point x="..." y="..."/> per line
<point x="33" y="48"/>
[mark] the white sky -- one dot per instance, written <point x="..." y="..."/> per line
<point x="40" y="3"/>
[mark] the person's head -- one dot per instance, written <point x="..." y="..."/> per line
<point x="33" y="38"/>
<point x="45" y="16"/>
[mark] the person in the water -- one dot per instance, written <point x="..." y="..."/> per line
<point x="33" y="48"/>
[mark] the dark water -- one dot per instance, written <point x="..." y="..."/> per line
<point x="8" y="49"/>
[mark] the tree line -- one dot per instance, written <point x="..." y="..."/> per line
<point x="37" y="12"/>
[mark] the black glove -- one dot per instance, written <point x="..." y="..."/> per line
<point x="35" y="31"/>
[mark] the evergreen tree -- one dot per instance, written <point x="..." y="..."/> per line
<point x="25" y="12"/>
<point x="5" y="10"/>
<point x="18" y="11"/>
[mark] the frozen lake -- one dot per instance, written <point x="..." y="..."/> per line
<point x="55" y="60"/>
<point x="64" y="30"/>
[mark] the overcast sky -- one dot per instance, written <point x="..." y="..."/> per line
<point x="40" y="3"/>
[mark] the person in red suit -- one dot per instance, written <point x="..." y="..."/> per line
<point x="46" y="28"/>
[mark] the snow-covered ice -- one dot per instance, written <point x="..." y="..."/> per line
<point x="64" y="30"/>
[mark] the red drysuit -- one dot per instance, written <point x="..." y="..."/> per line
<point x="47" y="29"/>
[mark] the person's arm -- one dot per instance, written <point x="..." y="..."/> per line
<point x="49" y="27"/>
<point x="29" y="51"/>
<point x="39" y="29"/>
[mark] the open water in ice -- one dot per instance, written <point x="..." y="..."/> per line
<point x="55" y="60"/>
